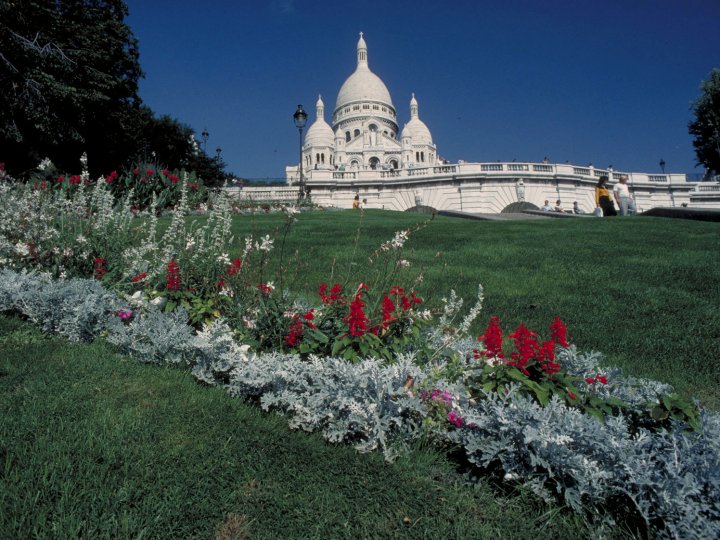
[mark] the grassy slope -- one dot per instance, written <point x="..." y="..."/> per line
<point x="96" y="445"/>
<point x="643" y="291"/>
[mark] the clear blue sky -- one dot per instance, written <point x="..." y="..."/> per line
<point x="606" y="81"/>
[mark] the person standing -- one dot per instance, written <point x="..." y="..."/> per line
<point x="602" y="197"/>
<point x="623" y="198"/>
<point x="356" y="202"/>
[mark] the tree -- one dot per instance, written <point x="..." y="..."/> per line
<point x="69" y="73"/>
<point x="171" y="143"/>
<point x="706" y="126"/>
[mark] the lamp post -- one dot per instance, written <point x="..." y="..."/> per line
<point x="300" y="119"/>
<point x="218" y="150"/>
<point x="662" y="165"/>
<point x="205" y="136"/>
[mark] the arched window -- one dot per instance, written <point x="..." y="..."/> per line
<point x="393" y="164"/>
<point x="373" y="127"/>
<point x="417" y="156"/>
<point x="354" y="163"/>
<point x="374" y="162"/>
<point x="356" y="133"/>
<point x="317" y="158"/>
<point x="347" y="136"/>
<point x="322" y="158"/>
<point x="422" y="157"/>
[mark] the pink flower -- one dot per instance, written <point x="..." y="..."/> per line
<point x="125" y="314"/>
<point x="455" y="419"/>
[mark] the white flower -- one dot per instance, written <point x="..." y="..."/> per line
<point x="160" y="301"/>
<point x="425" y="315"/>
<point x="80" y="239"/>
<point x="270" y="286"/>
<point x="22" y="249"/>
<point x="400" y="239"/>
<point x="223" y="259"/>
<point x="266" y="245"/>
<point x="403" y="263"/>
<point x="190" y="243"/>
<point x="290" y="210"/>
<point x="45" y="164"/>
<point x="249" y="323"/>
<point x="248" y="246"/>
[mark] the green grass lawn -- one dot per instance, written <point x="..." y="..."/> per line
<point x="96" y="445"/>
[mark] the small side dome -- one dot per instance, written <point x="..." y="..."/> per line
<point x="416" y="128"/>
<point x="320" y="133"/>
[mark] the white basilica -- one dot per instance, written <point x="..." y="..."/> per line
<point x="365" y="134"/>
<point x="363" y="153"/>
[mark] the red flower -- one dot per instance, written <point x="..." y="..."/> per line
<point x="296" y="327"/>
<point x="333" y="297"/>
<point x="546" y="357"/>
<point x="112" y="176"/>
<point x="165" y="172"/>
<point x="492" y="339"/>
<point x="356" y="319"/>
<point x="139" y="277"/>
<point x="388" y="309"/>
<point x="571" y="395"/>
<point x="173" y="276"/>
<point x="558" y="332"/>
<point x="60" y="179"/>
<point x="149" y="172"/>
<point x="602" y="379"/>
<point x="100" y="267"/>
<point x="295" y="335"/>
<point x="525" y="347"/>
<point x="174" y="179"/>
<point x="265" y="288"/>
<point x="136" y="171"/>
<point x="234" y="267"/>
<point x="309" y="318"/>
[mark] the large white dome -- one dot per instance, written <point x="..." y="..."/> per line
<point x="363" y="84"/>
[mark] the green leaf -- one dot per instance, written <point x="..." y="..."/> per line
<point x="659" y="413"/>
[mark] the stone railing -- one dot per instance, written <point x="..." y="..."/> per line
<point x="548" y="171"/>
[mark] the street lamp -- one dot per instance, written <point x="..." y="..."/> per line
<point x="218" y="150"/>
<point x="662" y="165"/>
<point x="205" y="136"/>
<point x="300" y="119"/>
